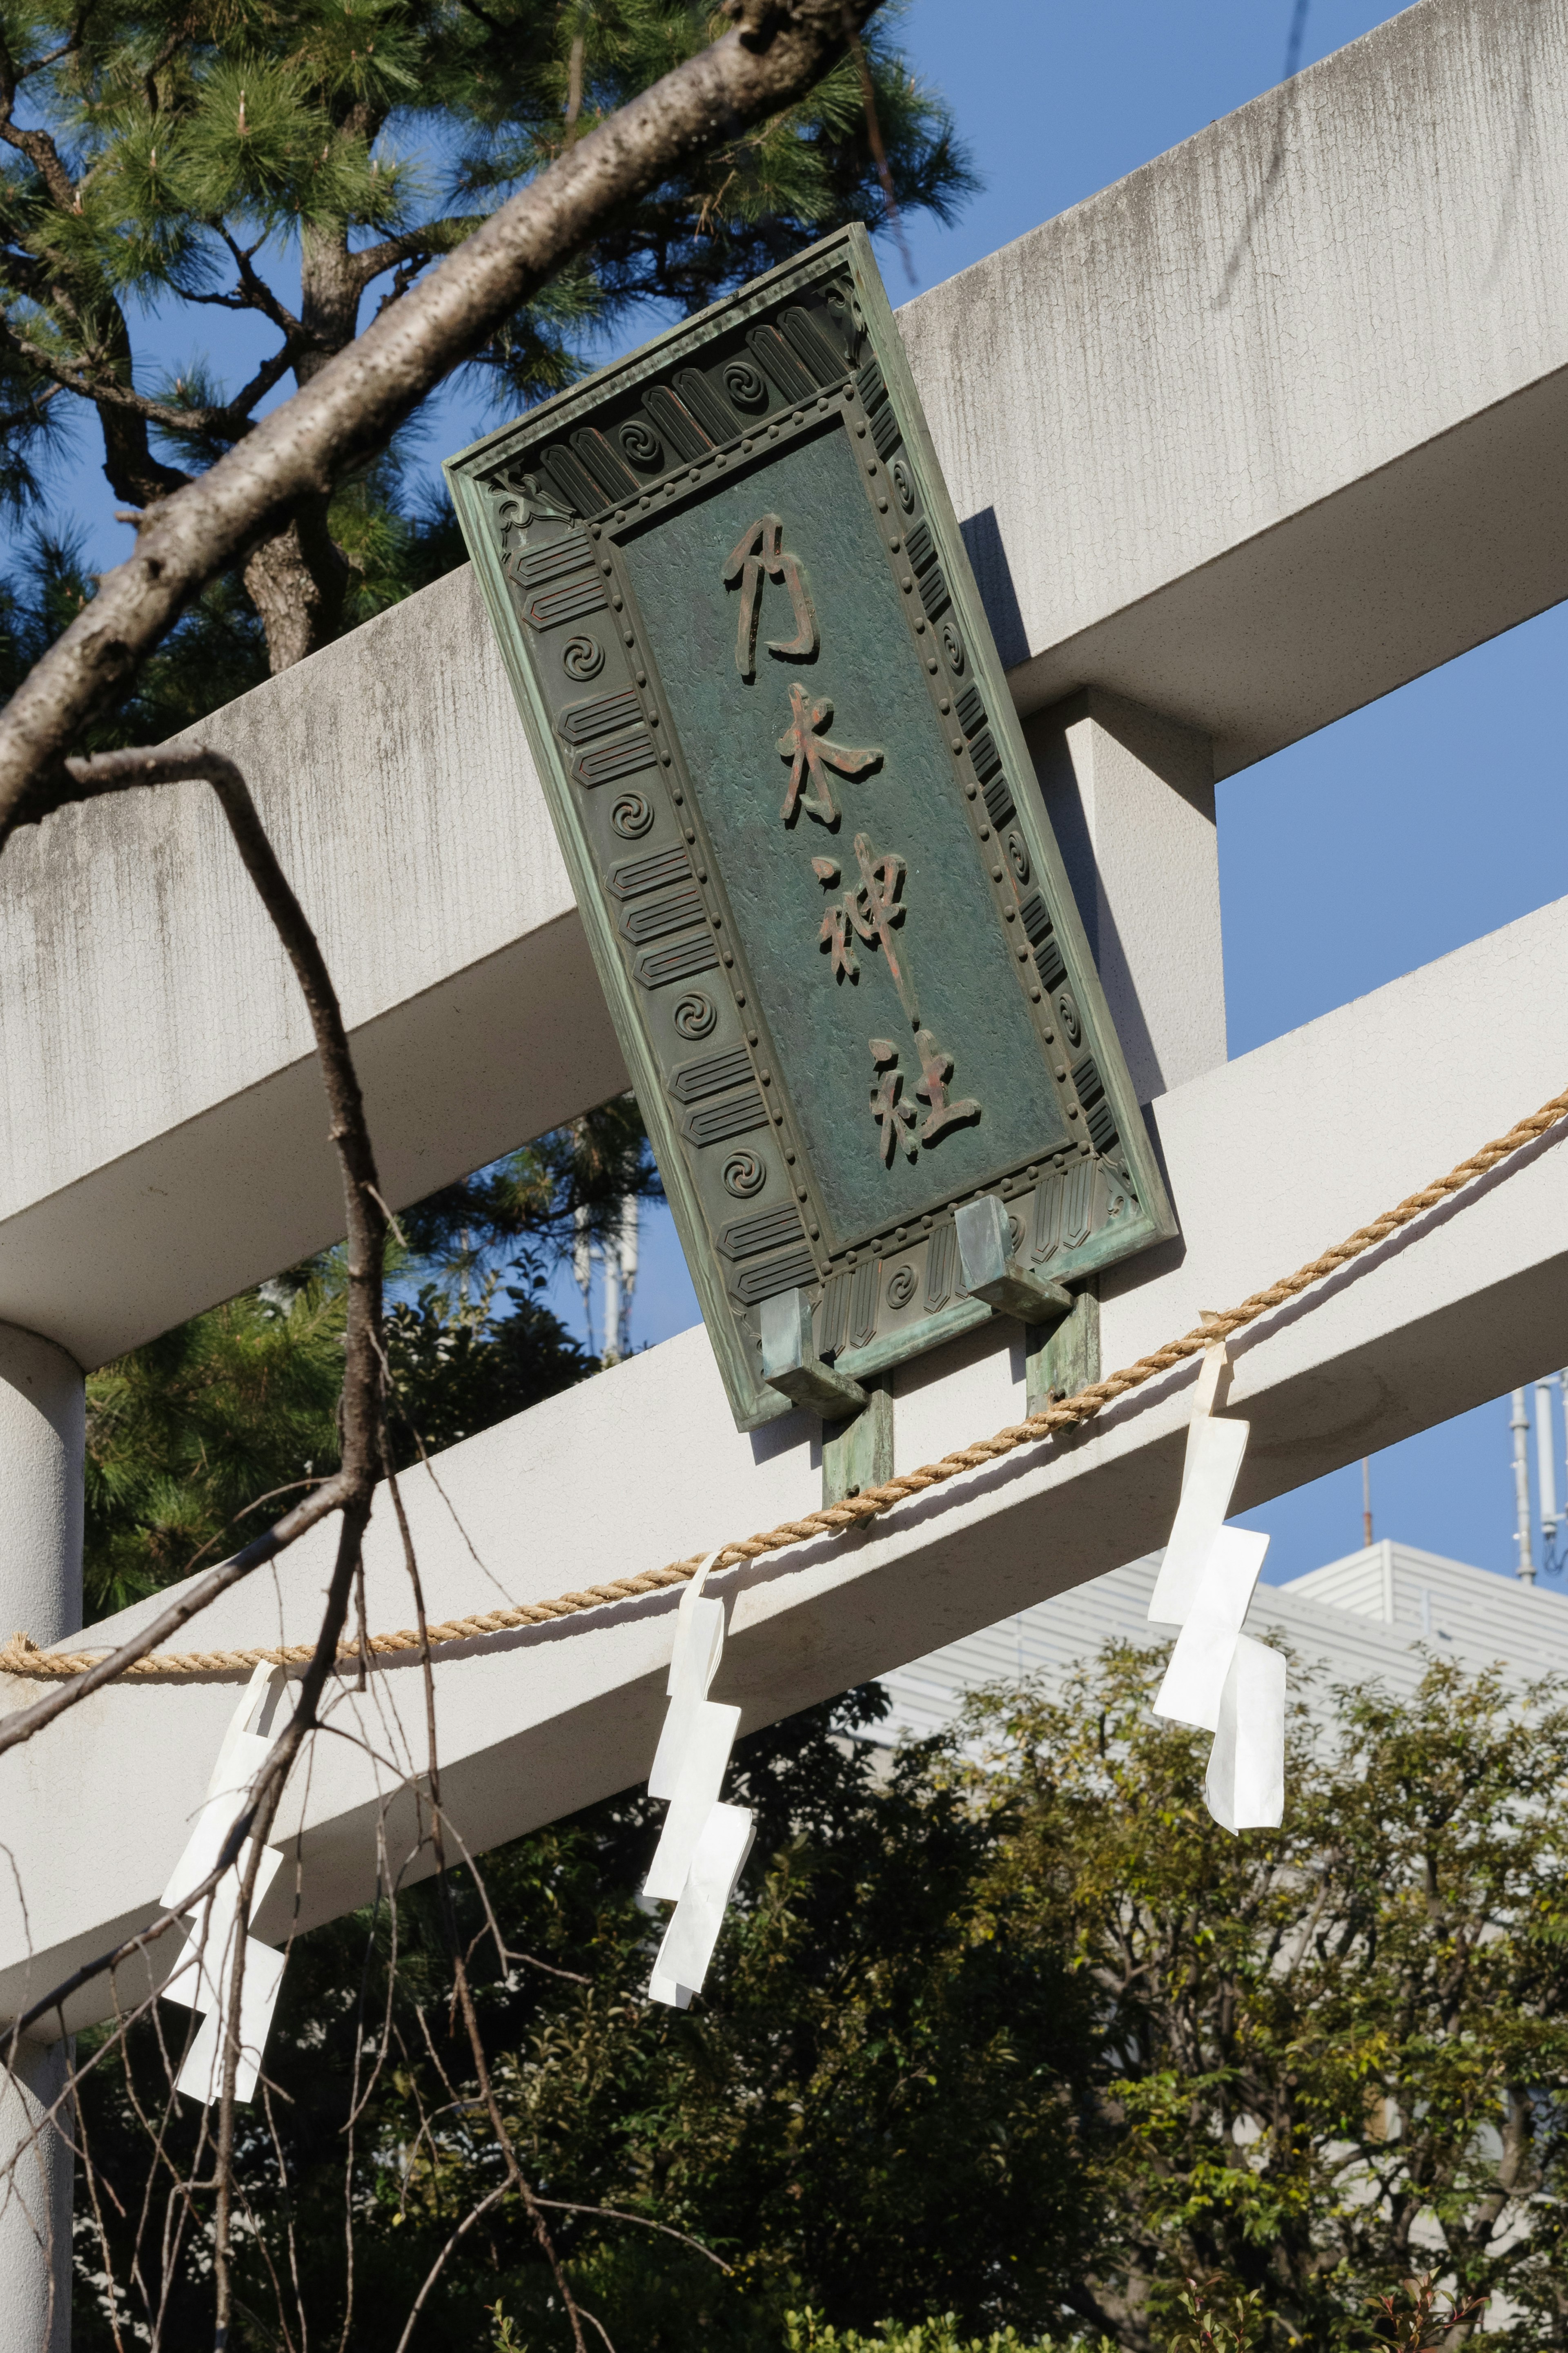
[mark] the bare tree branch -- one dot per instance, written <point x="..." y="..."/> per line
<point x="351" y="1488"/>
<point x="348" y="410"/>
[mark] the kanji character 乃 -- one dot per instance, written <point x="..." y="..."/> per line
<point x="761" y="549"/>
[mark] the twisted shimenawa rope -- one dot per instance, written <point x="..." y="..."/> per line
<point x="21" y="1656"/>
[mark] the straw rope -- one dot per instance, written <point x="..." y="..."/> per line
<point x="21" y="1656"/>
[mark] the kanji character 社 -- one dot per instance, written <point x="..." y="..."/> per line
<point x="897" y="1120"/>
<point x="936" y="1069"/>
<point x="761" y="549"/>
<point x="811" y="753"/>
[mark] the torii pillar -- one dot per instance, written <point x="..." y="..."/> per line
<point x="43" y="1425"/>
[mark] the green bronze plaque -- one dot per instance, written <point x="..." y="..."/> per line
<point x="805" y="833"/>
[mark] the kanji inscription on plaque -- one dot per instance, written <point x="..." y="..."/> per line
<point x="843" y="883"/>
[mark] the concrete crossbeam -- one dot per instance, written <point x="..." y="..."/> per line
<point x="1270" y="1158"/>
<point x="163" y="1129"/>
<point x="1279" y="421"/>
<point x="1269" y="427"/>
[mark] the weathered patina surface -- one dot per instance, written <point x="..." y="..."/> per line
<point x="805" y="833"/>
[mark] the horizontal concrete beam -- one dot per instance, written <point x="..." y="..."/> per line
<point x="1259" y="433"/>
<point x="1279" y="421"/>
<point x="163" y="1132"/>
<point x="1270" y="1159"/>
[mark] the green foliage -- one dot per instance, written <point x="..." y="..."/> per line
<point x="184" y="159"/>
<point x="807" y="2332"/>
<point x="190" y="1436"/>
<point x="1321" y="2044"/>
<point x="523" y="1213"/>
<point x="186" y="1436"/>
<point x="1003" y="2030"/>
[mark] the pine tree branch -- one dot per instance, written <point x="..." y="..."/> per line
<point x="45" y="158"/>
<point x="416" y="245"/>
<point x="106" y="391"/>
<point x="255" y="286"/>
<point x="351" y="407"/>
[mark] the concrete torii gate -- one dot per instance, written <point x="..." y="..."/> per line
<point x="1268" y="428"/>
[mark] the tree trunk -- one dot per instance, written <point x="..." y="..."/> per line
<point x="297" y="583"/>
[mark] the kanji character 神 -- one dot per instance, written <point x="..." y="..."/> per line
<point x="870" y="911"/>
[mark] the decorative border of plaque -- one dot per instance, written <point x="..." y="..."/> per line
<point x="808" y="846"/>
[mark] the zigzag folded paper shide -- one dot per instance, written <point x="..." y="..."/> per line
<point x="1218" y="1679"/>
<point x="202" y="1980"/>
<point x="703" y="1846"/>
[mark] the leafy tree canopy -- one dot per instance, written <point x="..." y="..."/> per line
<point x="1002" y="2028"/>
<point x="283" y="160"/>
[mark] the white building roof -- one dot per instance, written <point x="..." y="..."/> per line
<point x="1374" y="1613"/>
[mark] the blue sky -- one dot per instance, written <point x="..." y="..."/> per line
<point x="1057" y="101"/>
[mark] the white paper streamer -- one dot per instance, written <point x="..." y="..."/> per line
<point x="1195" y="1677"/>
<point x="699" y="1640"/>
<point x="1213" y="1374"/>
<point x="203" y="1980"/>
<point x="200" y="1980"/>
<point x="1246" y="1783"/>
<point x="697" y="1786"/>
<point x="1218" y="1680"/>
<point x="201" y="2075"/>
<point x="1214" y="1450"/>
<point x="693" y="1930"/>
<point x="697" y="1861"/>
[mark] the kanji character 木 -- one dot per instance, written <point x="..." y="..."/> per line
<point x="811" y="754"/>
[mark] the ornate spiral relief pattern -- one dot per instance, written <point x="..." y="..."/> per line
<point x="582" y="657"/>
<point x="900" y="1286"/>
<point x="1018" y="857"/>
<point x="632" y="815"/>
<point x="694" y="1015"/>
<point x="844" y="313"/>
<point x="1016" y="1232"/>
<point x="745" y="1173"/>
<point x="1066" y="1014"/>
<point x="903" y="483"/>
<point x="953" y="647"/>
<point x="642" y="446"/>
<point x="746" y="385"/>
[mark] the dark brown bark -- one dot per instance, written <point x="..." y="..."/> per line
<point x="298" y="580"/>
<point x="360" y="1410"/>
<point x="351" y="1488"/>
<point x="348" y="410"/>
<point x="298" y="584"/>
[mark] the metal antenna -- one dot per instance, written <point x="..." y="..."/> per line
<point x="1546" y="1472"/>
<point x="1519" y="1425"/>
